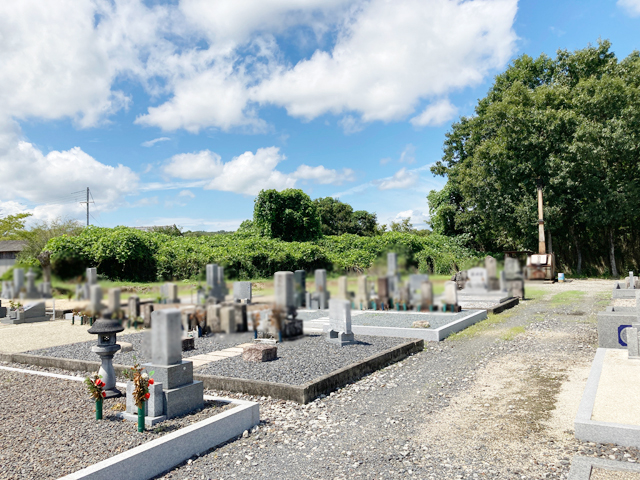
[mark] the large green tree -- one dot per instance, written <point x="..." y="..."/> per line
<point x="12" y="226"/>
<point x="289" y="215"/>
<point x="572" y="123"/>
<point x="338" y="218"/>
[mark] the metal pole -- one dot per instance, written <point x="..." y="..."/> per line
<point x="87" y="206"/>
<point x="541" y="240"/>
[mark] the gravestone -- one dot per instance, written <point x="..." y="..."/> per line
<point x="95" y="300"/>
<point x="228" y="319"/>
<point x="169" y="293"/>
<point x="114" y="300"/>
<point x="383" y="292"/>
<point x="426" y="296"/>
<point x="242" y="322"/>
<point x="393" y="276"/>
<point x="216" y="286"/>
<point x="146" y="313"/>
<point x="491" y="267"/>
<point x="631" y="281"/>
<point x="285" y="307"/>
<point x="181" y="393"/>
<point x="450" y="297"/>
<point x="343" y="289"/>
<point x="340" y="322"/>
<point x="415" y="288"/>
<point x="477" y="280"/>
<point x="242" y="291"/>
<point x="31" y="290"/>
<point x="18" y="281"/>
<point x="92" y="276"/>
<point x="362" y="295"/>
<point x="300" y="288"/>
<point x="134" y="307"/>
<point x="514" y="278"/>
<point x="392" y="263"/>
<point x="7" y="290"/>
<point x="213" y="317"/>
<point x="319" y="299"/>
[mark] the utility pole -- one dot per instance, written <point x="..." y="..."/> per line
<point x="87" y="202"/>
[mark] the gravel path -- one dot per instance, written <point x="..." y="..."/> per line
<point x="82" y="351"/>
<point x="492" y="402"/>
<point x="303" y="360"/>
<point x="48" y="427"/>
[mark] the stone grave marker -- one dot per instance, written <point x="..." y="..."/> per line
<point x="343" y="289"/>
<point x="383" y="292"/>
<point x="228" y="319"/>
<point x="242" y="291"/>
<point x="491" y="267"/>
<point x="31" y="289"/>
<point x="92" y="275"/>
<point x="426" y="296"/>
<point x="340" y="322"/>
<point x="114" y="300"/>
<point x="300" y="288"/>
<point x="450" y="297"/>
<point x="362" y="295"/>
<point x="477" y="280"/>
<point x="134" y="307"/>
<point x="169" y="293"/>
<point x="18" y="281"/>
<point x="415" y="288"/>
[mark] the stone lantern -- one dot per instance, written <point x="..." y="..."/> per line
<point x="106" y="329"/>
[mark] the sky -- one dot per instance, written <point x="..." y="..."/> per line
<point x="180" y="112"/>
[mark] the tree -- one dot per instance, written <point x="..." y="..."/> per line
<point x="38" y="236"/>
<point x="573" y="123"/>
<point x="338" y="218"/>
<point x="12" y="226"/>
<point x="404" y="226"/>
<point x="289" y="215"/>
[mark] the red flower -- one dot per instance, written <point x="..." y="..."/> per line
<point x="98" y="382"/>
<point x="147" y="395"/>
<point x="102" y="384"/>
<point x="104" y="394"/>
<point x="151" y="381"/>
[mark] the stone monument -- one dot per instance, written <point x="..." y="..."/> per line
<point x="340" y="322"/>
<point x="300" y="288"/>
<point x="362" y="295"/>
<point x="319" y="300"/>
<point x="242" y="292"/>
<point x="450" y="297"/>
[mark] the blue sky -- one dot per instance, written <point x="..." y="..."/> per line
<point x="180" y="112"/>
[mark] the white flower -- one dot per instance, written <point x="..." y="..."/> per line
<point x="145" y="376"/>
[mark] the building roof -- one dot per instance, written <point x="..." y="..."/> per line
<point x="12" y="245"/>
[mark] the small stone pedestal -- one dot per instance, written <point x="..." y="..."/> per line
<point x="259" y="352"/>
<point x="340" y="322"/>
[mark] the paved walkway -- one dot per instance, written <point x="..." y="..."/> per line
<point x="206" y="358"/>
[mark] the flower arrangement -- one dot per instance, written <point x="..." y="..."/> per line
<point x="95" y="385"/>
<point x="14" y="305"/>
<point x="141" y="381"/>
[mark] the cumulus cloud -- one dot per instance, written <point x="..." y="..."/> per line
<point x="190" y="166"/>
<point x="632" y="7"/>
<point x="248" y="173"/>
<point x="151" y="143"/>
<point x="187" y="193"/>
<point x="435" y="114"/>
<point x="350" y="124"/>
<point x="403" y="178"/>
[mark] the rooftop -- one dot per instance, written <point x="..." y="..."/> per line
<point x="12" y="245"/>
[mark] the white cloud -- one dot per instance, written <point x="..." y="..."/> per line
<point x="435" y="114"/>
<point x="350" y="125"/>
<point x="324" y="176"/>
<point x="408" y="154"/>
<point x="151" y="143"/>
<point x="31" y="177"/>
<point x="247" y="173"/>
<point x="187" y="193"/>
<point x="632" y="7"/>
<point x="390" y="54"/>
<point x="403" y="178"/>
<point x="189" y="166"/>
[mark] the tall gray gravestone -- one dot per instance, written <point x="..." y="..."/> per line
<point x="290" y="326"/>
<point x="18" y="281"/>
<point x="300" y="288"/>
<point x="362" y="293"/>
<point x="340" y="322"/>
<point x="181" y="393"/>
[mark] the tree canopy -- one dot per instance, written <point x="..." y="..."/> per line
<point x="338" y="218"/>
<point x="573" y="123"/>
<point x="289" y="215"/>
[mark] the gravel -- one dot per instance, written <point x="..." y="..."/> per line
<point x="48" y="427"/>
<point x="82" y="350"/>
<point x="301" y="361"/>
<point x="405" y="320"/>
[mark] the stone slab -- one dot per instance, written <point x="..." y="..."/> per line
<point x="171" y="376"/>
<point x="158" y="456"/>
<point x="184" y="399"/>
<point x="257" y="352"/>
<point x="590" y="430"/>
<point x="617" y="397"/>
<point x="624" y="293"/>
<point x="582" y="467"/>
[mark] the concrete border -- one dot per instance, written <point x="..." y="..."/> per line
<point x="426" y="334"/>
<point x="310" y="391"/>
<point x="162" y="454"/>
<point x="581" y="467"/>
<point x="512" y="302"/>
<point x="624" y="293"/>
<point x="601" y="432"/>
<point x="298" y="393"/>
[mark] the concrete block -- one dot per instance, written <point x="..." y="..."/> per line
<point x="228" y="319"/>
<point x="184" y="399"/>
<point x="166" y="337"/>
<point x="171" y="376"/>
<point x="612" y="328"/>
<point x="242" y="291"/>
<point x="155" y="404"/>
<point x="283" y="285"/>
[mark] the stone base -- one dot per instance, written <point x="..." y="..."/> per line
<point x="259" y="352"/>
<point x="184" y="399"/>
<point x="292" y="328"/>
<point x="171" y="376"/>
<point x="148" y="421"/>
<point x="188" y="344"/>
<point x="113" y="393"/>
<point x="340" y="338"/>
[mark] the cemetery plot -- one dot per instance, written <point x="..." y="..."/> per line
<point x="55" y="418"/>
<point x="399" y="324"/>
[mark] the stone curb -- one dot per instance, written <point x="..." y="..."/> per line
<point x="162" y="454"/>
<point x="298" y="393"/>
<point x="581" y="467"/>
<point x="601" y="432"/>
<point x="504" y="306"/>
<point x="310" y="391"/>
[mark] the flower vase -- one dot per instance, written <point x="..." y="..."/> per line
<point x="99" y="409"/>
<point x="141" y="419"/>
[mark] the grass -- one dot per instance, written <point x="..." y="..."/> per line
<point x="567" y="297"/>
<point x="533" y="293"/>
<point x="511" y="333"/>
<point x="478" y="328"/>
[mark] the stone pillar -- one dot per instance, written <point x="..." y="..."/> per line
<point x="228" y="319"/>
<point x="166" y="337"/>
<point x="320" y="279"/>
<point x="383" y="292"/>
<point x="392" y="263"/>
<point x="242" y="291"/>
<point x="450" y="297"/>
<point x="340" y="322"/>
<point x="343" y="289"/>
<point x="362" y="295"/>
<point x="213" y="317"/>
<point x="114" y="300"/>
<point x="134" y="306"/>
<point x="95" y="302"/>
<point x="426" y="296"/>
<point x="415" y="288"/>
<point x="146" y="313"/>
<point x="300" y="288"/>
<point x="18" y="280"/>
<point x="284" y="290"/>
<point x="92" y="276"/>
